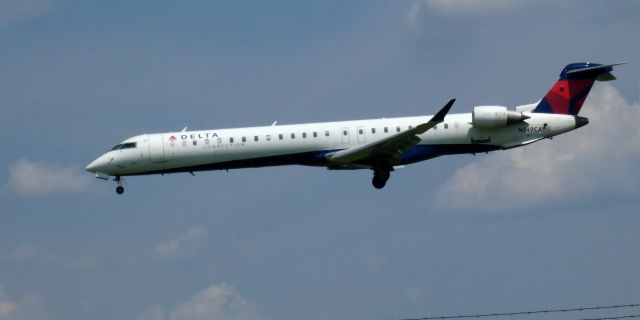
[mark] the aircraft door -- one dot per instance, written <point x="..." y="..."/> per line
<point x="156" y="147"/>
<point x="361" y="135"/>
<point x="345" y="135"/>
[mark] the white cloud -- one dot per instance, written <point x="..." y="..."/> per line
<point x="34" y="178"/>
<point x="12" y="11"/>
<point x="34" y="255"/>
<point x="461" y="7"/>
<point x="598" y="160"/>
<point x="413" y="15"/>
<point x="217" y="302"/>
<point x="172" y="248"/>
<point x="28" y="307"/>
<point x="474" y="6"/>
<point x="154" y="313"/>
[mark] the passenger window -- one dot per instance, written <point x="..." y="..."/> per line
<point x="244" y="139"/>
<point x="315" y="134"/>
<point x="304" y="135"/>
<point x="398" y="129"/>
<point x="255" y="138"/>
<point x="280" y="136"/>
<point x="360" y="131"/>
<point x="446" y="126"/>
<point x="231" y="140"/>
<point x="326" y="133"/>
<point x="195" y="142"/>
<point x="386" y="130"/>
<point x="410" y="127"/>
<point x="345" y="132"/>
<point x="293" y="136"/>
<point x="373" y="130"/>
<point x="268" y="137"/>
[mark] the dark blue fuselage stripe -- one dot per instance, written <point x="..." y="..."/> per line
<point x="317" y="158"/>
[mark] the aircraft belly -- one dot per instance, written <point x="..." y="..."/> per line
<point x="425" y="152"/>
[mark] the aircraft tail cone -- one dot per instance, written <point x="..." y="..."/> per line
<point x="581" y="121"/>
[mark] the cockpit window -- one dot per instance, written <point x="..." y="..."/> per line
<point x="128" y="145"/>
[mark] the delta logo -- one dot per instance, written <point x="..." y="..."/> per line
<point x="194" y="136"/>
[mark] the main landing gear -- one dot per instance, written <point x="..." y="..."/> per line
<point x="380" y="177"/>
<point x="119" y="188"/>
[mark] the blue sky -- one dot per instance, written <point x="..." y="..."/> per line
<point x="552" y="224"/>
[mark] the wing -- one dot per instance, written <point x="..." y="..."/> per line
<point x="389" y="149"/>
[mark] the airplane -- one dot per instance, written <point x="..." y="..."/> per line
<point x="380" y="145"/>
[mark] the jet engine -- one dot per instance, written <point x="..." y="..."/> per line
<point x="495" y="117"/>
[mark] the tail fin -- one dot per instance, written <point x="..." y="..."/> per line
<point x="570" y="91"/>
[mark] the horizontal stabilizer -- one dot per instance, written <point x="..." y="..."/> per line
<point x="599" y="72"/>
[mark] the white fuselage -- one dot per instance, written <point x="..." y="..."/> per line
<point x="311" y="143"/>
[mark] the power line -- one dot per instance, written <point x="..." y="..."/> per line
<point x="545" y="311"/>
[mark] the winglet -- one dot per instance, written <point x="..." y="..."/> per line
<point x="439" y="117"/>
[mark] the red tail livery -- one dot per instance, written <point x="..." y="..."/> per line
<point x="570" y="91"/>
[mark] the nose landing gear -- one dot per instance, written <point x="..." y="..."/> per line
<point x="119" y="188"/>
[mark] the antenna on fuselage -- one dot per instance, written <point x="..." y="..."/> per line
<point x="184" y="129"/>
<point x="274" y="123"/>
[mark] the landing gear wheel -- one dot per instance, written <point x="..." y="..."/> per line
<point x="119" y="188"/>
<point x="380" y="178"/>
<point x="378" y="182"/>
<point x="382" y="174"/>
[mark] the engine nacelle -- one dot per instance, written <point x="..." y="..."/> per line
<point x="494" y="117"/>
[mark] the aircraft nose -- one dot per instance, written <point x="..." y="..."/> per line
<point x="98" y="165"/>
<point x="93" y="166"/>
